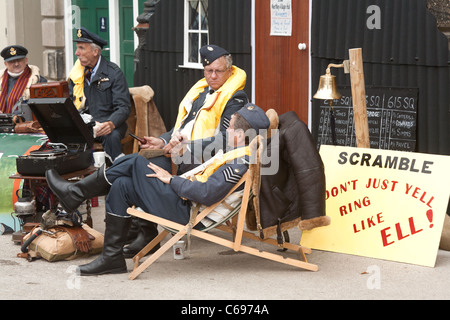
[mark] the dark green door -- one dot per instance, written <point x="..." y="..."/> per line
<point x="94" y="17"/>
<point x="127" y="39"/>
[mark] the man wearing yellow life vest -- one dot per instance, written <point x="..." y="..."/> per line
<point x="152" y="188"/>
<point x="206" y="109"/>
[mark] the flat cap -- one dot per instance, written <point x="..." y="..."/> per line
<point x="255" y="116"/>
<point x="211" y="52"/>
<point x="14" y="52"/>
<point x="84" y="35"/>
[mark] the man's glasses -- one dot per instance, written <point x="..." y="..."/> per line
<point x="217" y="72"/>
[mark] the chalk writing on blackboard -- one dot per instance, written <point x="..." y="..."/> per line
<point x="391" y="114"/>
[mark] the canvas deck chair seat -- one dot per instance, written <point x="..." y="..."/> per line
<point x="232" y="223"/>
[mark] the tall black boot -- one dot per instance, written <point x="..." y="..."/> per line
<point x="71" y="195"/>
<point x="147" y="232"/>
<point x="111" y="259"/>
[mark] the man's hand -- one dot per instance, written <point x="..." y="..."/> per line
<point x="174" y="145"/>
<point x="152" y="143"/>
<point x="160" y="173"/>
<point x="105" y="128"/>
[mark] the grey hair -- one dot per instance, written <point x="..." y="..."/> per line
<point x="229" y="61"/>
<point x="96" y="46"/>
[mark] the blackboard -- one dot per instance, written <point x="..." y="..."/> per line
<point x="391" y="114"/>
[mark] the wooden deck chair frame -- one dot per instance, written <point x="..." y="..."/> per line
<point x="233" y="223"/>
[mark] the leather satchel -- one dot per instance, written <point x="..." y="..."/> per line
<point x="28" y="127"/>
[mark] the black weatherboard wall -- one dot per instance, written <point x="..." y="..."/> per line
<point x="161" y="57"/>
<point x="404" y="50"/>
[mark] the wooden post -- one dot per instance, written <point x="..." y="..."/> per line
<point x="359" y="98"/>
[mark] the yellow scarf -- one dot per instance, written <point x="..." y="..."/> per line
<point x="208" y="119"/>
<point x="77" y="77"/>
<point x="217" y="163"/>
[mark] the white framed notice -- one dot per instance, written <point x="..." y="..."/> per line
<point x="280" y="18"/>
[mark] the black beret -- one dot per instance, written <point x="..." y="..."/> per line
<point x="14" y="52"/>
<point x="84" y="35"/>
<point x="211" y="52"/>
<point x="255" y="116"/>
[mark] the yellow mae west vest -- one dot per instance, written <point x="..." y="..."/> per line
<point x="203" y="175"/>
<point x="208" y="118"/>
<point x="77" y="77"/>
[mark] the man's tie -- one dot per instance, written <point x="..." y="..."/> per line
<point x="87" y="73"/>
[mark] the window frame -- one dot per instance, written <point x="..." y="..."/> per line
<point x="187" y="32"/>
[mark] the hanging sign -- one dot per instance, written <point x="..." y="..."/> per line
<point x="383" y="204"/>
<point x="280" y="18"/>
<point x="103" y="24"/>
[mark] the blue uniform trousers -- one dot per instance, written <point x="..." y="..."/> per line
<point x="130" y="186"/>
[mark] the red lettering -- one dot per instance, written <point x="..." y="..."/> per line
<point x="384" y="236"/>
<point x="370" y="222"/>
<point x="413" y="227"/>
<point x="343" y="210"/>
<point x="400" y="235"/>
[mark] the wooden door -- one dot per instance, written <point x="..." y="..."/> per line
<point x="281" y="68"/>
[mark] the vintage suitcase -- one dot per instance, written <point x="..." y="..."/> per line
<point x="70" y="139"/>
<point x="57" y="89"/>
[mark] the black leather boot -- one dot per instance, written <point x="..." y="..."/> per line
<point x="147" y="232"/>
<point x="71" y="195"/>
<point x="111" y="259"/>
<point x="134" y="230"/>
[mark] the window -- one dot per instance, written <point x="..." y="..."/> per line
<point x="195" y="31"/>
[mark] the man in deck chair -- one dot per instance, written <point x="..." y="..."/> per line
<point x="155" y="190"/>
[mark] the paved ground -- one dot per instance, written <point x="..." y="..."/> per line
<point x="212" y="272"/>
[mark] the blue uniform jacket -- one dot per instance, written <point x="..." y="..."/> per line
<point x="108" y="97"/>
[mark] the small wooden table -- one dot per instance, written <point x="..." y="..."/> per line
<point x="41" y="180"/>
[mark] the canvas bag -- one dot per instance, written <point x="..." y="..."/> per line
<point x="66" y="243"/>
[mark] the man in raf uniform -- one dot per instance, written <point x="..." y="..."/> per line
<point x="154" y="189"/>
<point x="99" y="88"/>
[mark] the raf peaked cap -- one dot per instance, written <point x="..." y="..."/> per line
<point x="84" y="35"/>
<point x="255" y="116"/>
<point x="15" y="52"/>
<point x="211" y="52"/>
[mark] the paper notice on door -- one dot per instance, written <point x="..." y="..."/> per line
<point x="280" y="18"/>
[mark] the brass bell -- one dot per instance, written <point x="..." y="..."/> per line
<point x="327" y="87"/>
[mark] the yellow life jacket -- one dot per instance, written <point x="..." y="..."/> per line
<point x="77" y="77"/>
<point x="208" y="118"/>
<point x="220" y="161"/>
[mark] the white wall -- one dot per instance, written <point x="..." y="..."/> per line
<point x="3" y="26"/>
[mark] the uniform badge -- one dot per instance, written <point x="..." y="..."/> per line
<point x="231" y="175"/>
<point x="210" y="48"/>
<point x="12" y="52"/>
<point x="79" y="34"/>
